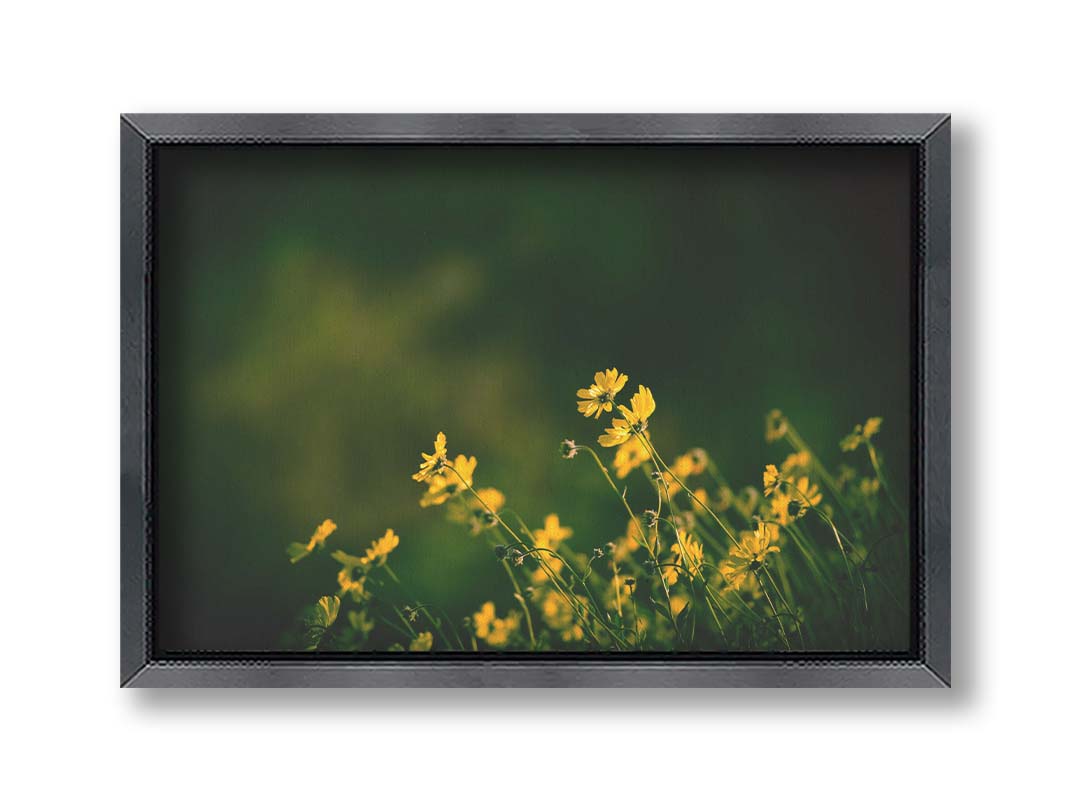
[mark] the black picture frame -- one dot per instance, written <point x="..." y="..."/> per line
<point x="928" y="665"/>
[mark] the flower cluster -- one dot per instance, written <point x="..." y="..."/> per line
<point x="695" y="562"/>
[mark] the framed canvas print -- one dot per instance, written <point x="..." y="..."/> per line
<point x="548" y="400"/>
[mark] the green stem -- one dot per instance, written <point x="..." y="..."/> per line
<point x="655" y="455"/>
<point x="881" y="477"/>
<point x="770" y="602"/>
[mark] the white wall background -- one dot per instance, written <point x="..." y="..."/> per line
<point x="68" y="70"/>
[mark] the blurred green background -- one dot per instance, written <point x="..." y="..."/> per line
<point x="324" y="311"/>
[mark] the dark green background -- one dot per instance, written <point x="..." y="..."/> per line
<point x="324" y="311"/>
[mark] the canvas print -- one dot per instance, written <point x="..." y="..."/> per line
<point x="417" y="400"/>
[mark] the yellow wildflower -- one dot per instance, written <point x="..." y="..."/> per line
<point x="777" y="425"/>
<point x="483" y="513"/>
<point x="552" y="534"/>
<point x="352" y="577"/>
<point x="700" y="499"/>
<point x="549" y="538"/>
<point x="771" y="479"/>
<point x="494" y="498"/>
<point x="796" y="463"/>
<point x="600" y="396"/>
<point x="698" y="458"/>
<point x="861" y="434"/>
<point x="747" y="501"/>
<point x="433" y="464"/>
<point x="629" y="543"/>
<point x="780" y="508"/>
<point x="689" y="463"/>
<point x="559" y="615"/>
<point x="495" y="631"/>
<point x="748" y="557"/>
<point x="475" y="512"/>
<point x="619" y="433"/>
<point x="382" y="547"/>
<point x="631" y="454"/>
<point x="447" y="485"/>
<point x="421" y="643"/>
<point x="670" y="573"/>
<point x="683" y="467"/>
<point x="634" y="421"/>
<point x="793" y="501"/>
<point x="641" y="407"/>
<point x="722" y="500"/>
<point x="299" y="550"/>
<point x="808" y="491"/>
<point x="689" y="550"/>
<point x="869" y="487"/>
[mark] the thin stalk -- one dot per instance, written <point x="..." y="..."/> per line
<point x="525" y="609"/>
<point x="456" y="641"/>
<point x="515" y="536"/>
<point x="881" y="477"/>
<point x="837" y="537"/>
<point x="792" y="613"/>
<point x="778" y="619"/>
<point x="656" y="456"/>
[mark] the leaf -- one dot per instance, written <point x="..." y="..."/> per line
<point x="661" y="610"/>
<point x="325" y="611"/>
<point x="345" y="559"/>
<point x="297" y="551"/>
<point x="683" y="615"/>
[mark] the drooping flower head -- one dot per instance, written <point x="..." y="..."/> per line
<point x="479" y="513"/>
<point x="433" y="464"/>
<point x="747" y="557"/>
<point x="641" y="407"/>
<point x="634" y="421"/>
<point x="792" y="501"/>
<point x="600" y="396"/>
<point x="809" y="492"/>
<point x="630" y="455"/>
<point x="380" y="548"/>
<point x="484" y="512"/>
<point x="698" y="460"/>
<point x="452" y="482"/>
<point x="549" y="538"/>
<point x="861" y="434"/>
<point x="689" y="550"/>
<point x="298" y="550"/>
<point x="771" y="479"/>
<point x="353" y="575"/>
